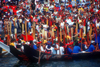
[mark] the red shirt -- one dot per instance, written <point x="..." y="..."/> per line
<point x="6" y="8"/>
<point x="99" y="12"/>
<point x="15" y="12"/>
<point x="71" y="43"/>
<point x="70" y="6"/>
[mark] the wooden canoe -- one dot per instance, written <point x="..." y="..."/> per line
<point x="32" y="55"/>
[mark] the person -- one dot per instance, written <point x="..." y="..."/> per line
<point x="1" y="22"/>
<point x="76" y="48"/>
<point x="68" y="50"/>
<point x="61" y="49"/>
<point x="22" y="47"/>
<point x="12" y="42"/>
<point x="48" y="47"/>
<point x="43" y="48"/>
<point x="84" y="47"/>
<point x="34" y="46"/>
<point x="91" y="47"/>
<point x="53" y="49"/>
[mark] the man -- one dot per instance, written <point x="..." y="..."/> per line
<point x="68" y="50"/>
<point x="34" y="46"/>
<point x="91" y="47"/>
<point x="84" y="47"/>
<point x="1" y="22"/>
<point x="12" y="42"/>
<point x="53" y="49"/>
<point x="76" y="48"/>
<point x="61" y="49"/>
<point x="22" y="47"/>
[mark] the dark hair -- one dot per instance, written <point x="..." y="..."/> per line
<point x="76" y="44"/>
<point x="12" y="40"/>
<point x="31" y="42"/>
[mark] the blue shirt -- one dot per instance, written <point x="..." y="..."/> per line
<point x="99" y="46"/>
<point x="91" y="48"/>
<point x="98" y="38"/>
<point x="76" y="49"/>
<point x="29" y="25"/>
<point x="69" y="51"/>
<point x="35" y="47"/>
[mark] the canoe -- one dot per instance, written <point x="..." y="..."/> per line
<point x="32" y="55"/>
<point x="2" y="53"/>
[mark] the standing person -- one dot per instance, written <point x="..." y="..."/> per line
<point x="1" y="25"/>
<point x="33" y="5"/>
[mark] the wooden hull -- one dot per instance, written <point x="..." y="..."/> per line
<point x="32" y="55"/>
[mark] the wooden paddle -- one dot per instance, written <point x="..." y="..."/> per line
<point x="26" y="30"/>
<point x="39" y="48"/>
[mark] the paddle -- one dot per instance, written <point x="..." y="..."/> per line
<point x="39" y="49"/>
<point x="26" y="30"/>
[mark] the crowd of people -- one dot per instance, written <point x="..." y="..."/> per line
<point x="60" y="26"/>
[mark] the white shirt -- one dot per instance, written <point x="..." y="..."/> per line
<point x="51" y="7"/>
<point x="37" y="27"/>
<point x="57" y="48"/>
<point x="42" y="49"/>
<point x="69" y="22"/>
<point x="61" y="50"/>
<point x="1" y="26"/>
<point x="53" y="51"/>
<point x="45" y="26"/>
<point x="57" y="20"/>
<point x="62" y="25"/>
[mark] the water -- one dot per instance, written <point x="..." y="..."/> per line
<point x="13" y="62"/>
<point x="8" y="61"/>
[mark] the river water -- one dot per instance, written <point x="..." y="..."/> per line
<point x="11" y="61"/>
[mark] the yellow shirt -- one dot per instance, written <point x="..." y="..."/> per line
<point x="81" y="9"/>
<point x="12" y="44"/>
<point x="46" y="9"/>
<point x="23" y="41"/>
<point x="54" y="27"/>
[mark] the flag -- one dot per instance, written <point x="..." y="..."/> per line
<point x="29" y="37"/>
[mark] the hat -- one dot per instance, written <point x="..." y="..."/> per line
<point x="92" y="41"/>
<point x="34" y="41"/>
<point x="45" y="41"/>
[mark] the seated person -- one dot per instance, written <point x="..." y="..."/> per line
<point x="76" y="48"/>
<point x="43" y="48"/>
<point x="22" y="47"/>
<point x="91" y="47"/>
<point x="35" y="45"/>
<point x="68" y="50"/>
<point x="84" y="47"/>
<point x="48" y="48"/>
<point x="54" y="49"/>
<point x="61" y="49"/>
<point x="13" y="42"/>
<point x="99" y="46"/>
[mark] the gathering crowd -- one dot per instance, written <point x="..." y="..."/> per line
<point x="60" y="26"/>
